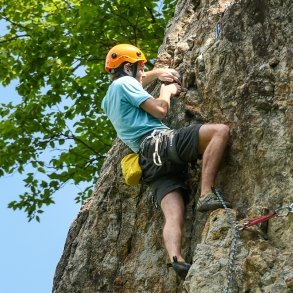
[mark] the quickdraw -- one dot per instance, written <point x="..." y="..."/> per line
<point x="218" y="28"/>
<point x="279" y="212"/>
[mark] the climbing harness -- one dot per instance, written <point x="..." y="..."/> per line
<point x="157" y="136"/>
<point x="279" y="212"/>
<point x="233" y="251"/>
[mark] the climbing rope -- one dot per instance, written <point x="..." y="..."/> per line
<point x="233" y="251"/>
<point x="279" y="212"/>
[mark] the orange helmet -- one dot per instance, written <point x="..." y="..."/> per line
<point x="123" y="53"/>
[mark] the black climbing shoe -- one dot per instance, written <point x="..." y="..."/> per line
<point x="210" y="202"/>
<point x="180" y="267"/>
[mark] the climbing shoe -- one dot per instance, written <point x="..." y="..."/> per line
<point x="210" y="202"/>
<point x="180" y="267"/>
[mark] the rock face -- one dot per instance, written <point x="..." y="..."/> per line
<point x="236" y="61"/>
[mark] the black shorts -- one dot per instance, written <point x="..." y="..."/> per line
<point x="172" y="174"/>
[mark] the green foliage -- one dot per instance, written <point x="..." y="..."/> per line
<point x="55" y="49"/>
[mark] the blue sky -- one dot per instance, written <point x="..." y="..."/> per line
<point x="30" y="251"/>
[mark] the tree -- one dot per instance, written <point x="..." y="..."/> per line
<point x="55" y="50"/>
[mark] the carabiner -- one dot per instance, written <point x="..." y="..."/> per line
<point x="242" y="226"/>
<point x="284" y="211"/>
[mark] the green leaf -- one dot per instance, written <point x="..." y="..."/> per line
<point x="55" y="50"/>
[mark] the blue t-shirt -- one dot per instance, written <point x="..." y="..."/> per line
<point x="121" y="105"/>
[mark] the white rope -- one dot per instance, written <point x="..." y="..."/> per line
<point x="156" y="157"/>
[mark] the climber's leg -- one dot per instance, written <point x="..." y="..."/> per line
<point x="173" y="209"/>
<point x="213" y="139"/>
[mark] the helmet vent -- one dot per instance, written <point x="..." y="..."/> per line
<point x="138" y="54"/>
<point x="114" y="55"/>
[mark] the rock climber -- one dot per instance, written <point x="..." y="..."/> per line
<point x="164" y="152"/>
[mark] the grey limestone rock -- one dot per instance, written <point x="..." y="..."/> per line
<point x="236" y="62"/>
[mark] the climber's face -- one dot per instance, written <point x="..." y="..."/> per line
<point x="140" y="75"/>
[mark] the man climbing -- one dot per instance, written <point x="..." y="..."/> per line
<point x="164" y="153"/>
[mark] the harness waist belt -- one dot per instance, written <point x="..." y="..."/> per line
<point x="172" y="152"/>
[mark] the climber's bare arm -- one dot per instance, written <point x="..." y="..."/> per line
<point x="159" y="107"/>
<point x="164" y="74"/>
